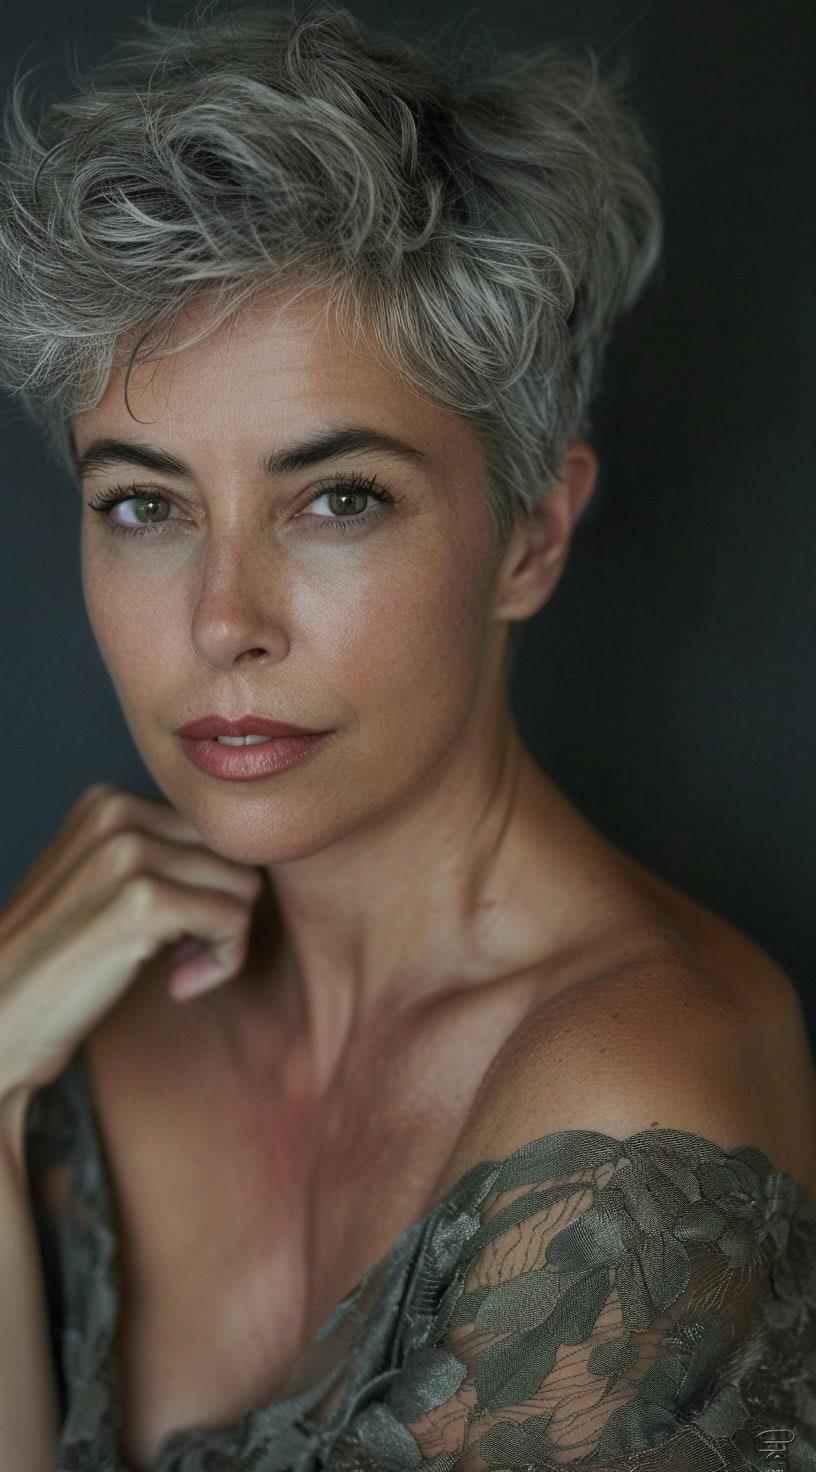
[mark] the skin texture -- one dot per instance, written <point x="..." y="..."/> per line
<point x="391" y="634"/>
<point x="448" y="959"/>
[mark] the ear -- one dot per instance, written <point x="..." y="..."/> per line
<point x="534" y="559"/>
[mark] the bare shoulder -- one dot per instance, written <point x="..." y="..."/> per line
<point x="656" y="1042"/>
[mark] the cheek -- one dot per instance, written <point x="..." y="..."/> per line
<point x="403" y="645"/>
<point x="133" y="625"/>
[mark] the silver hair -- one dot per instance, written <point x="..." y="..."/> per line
<point x="482" y="232"/>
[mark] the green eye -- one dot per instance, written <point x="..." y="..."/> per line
<point x="346" y="495"/>
<point x="347" y="498"/>
<point x="149" y="508"/>
<point x="157" y="508"/>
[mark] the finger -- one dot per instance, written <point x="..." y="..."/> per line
<point x="157" y="911"/>
<point x="100" y="810"/>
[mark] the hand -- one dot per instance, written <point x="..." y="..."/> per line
<point x="124" y="876"/>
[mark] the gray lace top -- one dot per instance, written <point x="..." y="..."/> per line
<point x="587" y="1302"/>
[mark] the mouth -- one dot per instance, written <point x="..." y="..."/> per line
<point x="249" y="729"/>
<point x="252" y="757"/>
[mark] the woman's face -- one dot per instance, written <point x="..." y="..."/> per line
<point x="291" y="593"/>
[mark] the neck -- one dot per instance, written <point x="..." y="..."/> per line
<point x="414" y="907"/>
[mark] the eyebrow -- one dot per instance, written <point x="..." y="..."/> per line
<point x="343" y="440"/>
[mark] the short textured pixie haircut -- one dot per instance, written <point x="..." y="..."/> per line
<point x="480" y="227"/>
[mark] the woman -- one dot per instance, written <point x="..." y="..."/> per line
<point x="362" y="1107"/>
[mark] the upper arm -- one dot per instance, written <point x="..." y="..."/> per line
<point x="609" y="1298"/>
<point x="627" y="1283"/>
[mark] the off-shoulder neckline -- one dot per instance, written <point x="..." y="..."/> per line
<point x="530" y="1161"/>
<point x="535" y="1152"/>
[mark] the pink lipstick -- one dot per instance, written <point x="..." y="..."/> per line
<point x="247" y="749"/>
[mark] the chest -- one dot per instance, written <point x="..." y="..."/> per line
<point x="218" y="1312"/>
<point x="238" y="1233"/>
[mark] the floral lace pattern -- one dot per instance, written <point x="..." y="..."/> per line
<point x="587" y="1303"/>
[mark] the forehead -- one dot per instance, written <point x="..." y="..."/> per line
<point x="284" y="363"/>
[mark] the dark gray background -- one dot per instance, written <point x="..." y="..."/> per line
<point x="668" y="686"/>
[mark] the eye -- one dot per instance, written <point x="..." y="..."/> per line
<point x="345" y="496"/>
<point x="149" y="508"/>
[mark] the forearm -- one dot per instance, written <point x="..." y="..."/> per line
<point x="29" y="1406"/>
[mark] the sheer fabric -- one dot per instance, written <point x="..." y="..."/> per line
<point x="587" y="1302"/>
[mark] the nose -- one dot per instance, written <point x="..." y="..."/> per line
<point x="239" y="604"/>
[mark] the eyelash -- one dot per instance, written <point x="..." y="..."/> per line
<point x="363" y="485"/>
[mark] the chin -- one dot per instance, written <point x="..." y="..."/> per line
<point x="258" y="828"/>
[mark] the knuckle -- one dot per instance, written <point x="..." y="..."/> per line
<point x="93" y="797"/>
<point x="98" y="792"/>
<point x="111" y="811"/>
<point x="122" y="851"/>
<point x="138" y="895"/>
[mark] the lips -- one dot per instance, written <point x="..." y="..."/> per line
<point x="208" y="728"/>
<point x="252" y="762"/>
